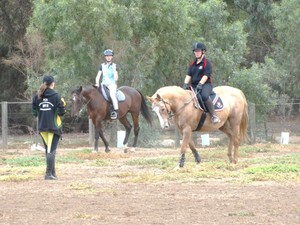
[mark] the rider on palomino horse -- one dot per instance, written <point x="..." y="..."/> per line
<point x="200" y="77"/>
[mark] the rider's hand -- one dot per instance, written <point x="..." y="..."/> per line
<point x="185" y="86"/>
<point x="199" y="87"/>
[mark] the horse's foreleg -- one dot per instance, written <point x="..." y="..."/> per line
<point x="100" y="132"/>
<point x="194" y="151"/>
<point x="196" y="156"/>
<point x="186" y="138"/>
<point x="96" y="141"/>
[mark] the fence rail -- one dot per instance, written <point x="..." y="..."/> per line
<point x="19" y="128"/>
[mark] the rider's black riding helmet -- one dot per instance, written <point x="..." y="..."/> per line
<point x="199" y="46"/>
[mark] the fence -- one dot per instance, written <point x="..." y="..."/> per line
<point x="19" y="129"/>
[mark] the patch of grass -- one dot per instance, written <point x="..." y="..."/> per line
<point x="27" y="161"/>
<point x="17" y="174"/>
<point x="83" y="188"/>
<point x="161" y="163"/>
<point x="102" y="162"/>
<point x="258" y="148"/>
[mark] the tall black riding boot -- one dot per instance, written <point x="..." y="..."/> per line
<point x="211" y="109"/>
<point x="49" y="169"/>
<point x="53" y="169"/>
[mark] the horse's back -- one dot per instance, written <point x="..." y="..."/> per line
<point x="232" y="94"/>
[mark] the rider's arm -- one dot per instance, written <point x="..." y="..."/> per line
<point x="203" y="79"/>
<point x="187" y="79"/>
<point x="98" y="77"/>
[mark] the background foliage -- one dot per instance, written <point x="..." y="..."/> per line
<point x="253" y="44"/>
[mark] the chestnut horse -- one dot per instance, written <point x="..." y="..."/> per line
<point x="98" y="110"/>
<point x="178" y="104"/>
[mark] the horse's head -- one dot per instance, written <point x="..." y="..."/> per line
<point x="76" y="101"/>
<point x="162" y="108"/>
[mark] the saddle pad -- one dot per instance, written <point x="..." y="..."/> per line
<point x="105" y="92"/>
<point x="216" y="100"/>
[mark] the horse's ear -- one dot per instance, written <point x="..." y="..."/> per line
<point x="150" y="99"/>
<point x="80" y="89"/>
<point x="159" y="98"/>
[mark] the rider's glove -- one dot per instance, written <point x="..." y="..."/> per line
<point x="199" y="87"/>
<point x="185" y="86"/>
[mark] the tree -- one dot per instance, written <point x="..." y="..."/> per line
<point x="13" y="25"/>
<point x="286" y="22"/>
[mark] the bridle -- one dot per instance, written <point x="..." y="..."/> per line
<point x="80" y="99"/>
<point x="170" y="113"/>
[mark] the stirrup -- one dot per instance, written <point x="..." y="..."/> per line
<point x="114" y="115"/>
<point x="215" y="119"/>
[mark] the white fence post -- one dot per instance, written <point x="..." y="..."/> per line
<point x="4" y="124"/>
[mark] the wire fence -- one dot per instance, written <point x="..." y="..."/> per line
<point x="20" y="126"/>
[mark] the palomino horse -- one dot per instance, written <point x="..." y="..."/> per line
<point x="98" y="110"/>
<point x="174" y="102"/>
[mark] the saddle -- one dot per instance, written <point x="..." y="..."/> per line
<point x="199" y="104"/>
<point x="216" y="100"/>
<point x="105" y="92"/>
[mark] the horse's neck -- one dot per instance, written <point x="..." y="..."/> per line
<point x="180" y="104"/>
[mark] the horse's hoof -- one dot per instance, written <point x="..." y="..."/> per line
<point x="125" y="150"/>
<point x="107" y="150"/>
<point x="94" y="151"/>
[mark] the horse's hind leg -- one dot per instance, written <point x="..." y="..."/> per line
<point x="234" y="140"/>
<point x="226" y="129"/>
<point x="127" y="127"/>
<point x="136" y="127"/>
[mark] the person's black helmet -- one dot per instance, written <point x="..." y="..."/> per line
<point x="108" y="52"/>
<point x="199" y="46"/>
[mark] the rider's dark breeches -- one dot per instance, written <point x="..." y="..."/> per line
<point x="206" y="90"/>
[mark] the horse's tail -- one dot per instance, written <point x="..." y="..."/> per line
<point x="244" y="122"/>
<point x="145" y="110"/>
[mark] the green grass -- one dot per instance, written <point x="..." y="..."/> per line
<point x="256" y="163"/>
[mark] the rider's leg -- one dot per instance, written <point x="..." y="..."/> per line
<point x="113" y="95"/>
<point x="207" y="89"/>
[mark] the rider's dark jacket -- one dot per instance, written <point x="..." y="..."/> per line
<point x="49" y="108"/>
<point x="196" y="71"/>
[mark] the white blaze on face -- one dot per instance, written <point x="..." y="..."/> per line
<point x="161" y="120"/>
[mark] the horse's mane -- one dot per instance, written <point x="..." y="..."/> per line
<point x="171" y="92"/>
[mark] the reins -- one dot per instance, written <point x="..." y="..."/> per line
<point x="170" y="113"/>
<point x="84" y="104"/>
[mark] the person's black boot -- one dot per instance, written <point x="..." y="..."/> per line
<point x="53" y="169"/>
<point x="50" y="163"/>
<point x="210" y="107"/>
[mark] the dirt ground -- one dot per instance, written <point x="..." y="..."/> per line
<point x="86" y="194"/>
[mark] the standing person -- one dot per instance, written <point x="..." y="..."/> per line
<point x="49" y="106"/>
<point x="109" y="72"/>
<point x="200" y="77"/>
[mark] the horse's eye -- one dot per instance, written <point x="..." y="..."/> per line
<point x="163" y="109"/>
